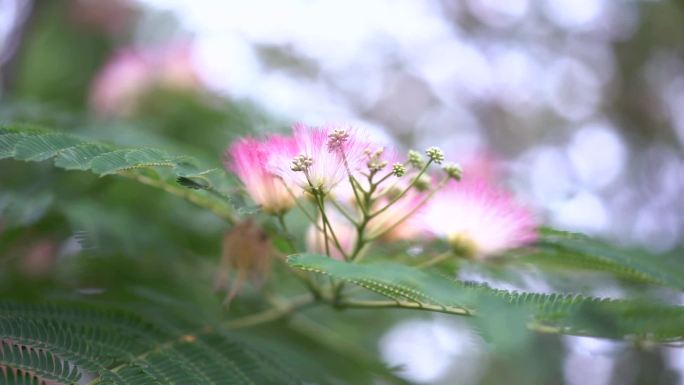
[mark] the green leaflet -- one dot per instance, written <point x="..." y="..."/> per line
<point x="80" y="157"/>
<point x="41" y="147"/>
<point x="60" y="342"/>
<point x="75" y="153"/>
<point x="19" y="377"/>
<point x="72" y="152"/>
<point x="573" y="250"/>
<point x="43" y="363"/>
<point x="558" y="312"/>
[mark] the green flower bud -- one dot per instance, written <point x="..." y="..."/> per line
<point x="415" y="159"/>
<point x="301" y="163"/>
<point x="398" y="170"/>
<point x="453" y="170"/>
<point x="423" y="183"/>
<point x="435" y="154"/>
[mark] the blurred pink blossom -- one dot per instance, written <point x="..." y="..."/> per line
<point x="479" y="218"/>
<point x="248" y="159"/>
<point x="132" y="72"/>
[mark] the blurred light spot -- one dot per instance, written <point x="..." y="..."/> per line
<point x="592" y="346"/>
<point x="620" y="20"/>
<point x="584" y="212"/>
<point x="515" y="74"/>
<point x="12" y="14"/>
<point x="572" y="89"/>
<point x="549" y="174"/>
<point x="404" y="99"/>
<point x="457" y="127"/>
<point x="454" y="69"/>
<point x="597" y="154"/>
<point x="291" y="97"/>
<point x="589" y="360"/>
<point x="666" y="166"/>
<point x="426" y="350"/>
<point x="609" y="288"/>
<point x="673" y="98"/>
<point x="674" y="357"/>
<point x="574" y="14"/>
<point x="363" y="80"/>
<point x="226" y="64"/>
<point x="658" y="228"/>
<point x="496" y="13"/>
<point x="598" y="55"/>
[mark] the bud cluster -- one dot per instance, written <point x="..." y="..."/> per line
<point x="337" y="138"/>
<point x="435" y="154"/>
<point x="415" y="159"/>
<point x="301" y="163"/>
<point x="375" y="162"/>
<point x="398" y="170"/>
<point x="453" y="170"/>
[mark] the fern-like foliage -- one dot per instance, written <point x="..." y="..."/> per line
<point x="41" y="362"/>
<point x="572" y="250"/>
<point x="143" y="164"/>
<point x="562" y="313"/>
<point x="9" y="376"/>
<point x="62" y="342"/>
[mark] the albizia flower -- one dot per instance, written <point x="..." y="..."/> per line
<point x="478" y="218"/>
<point x="323" y="157"/>
<point x="248" y="158"/>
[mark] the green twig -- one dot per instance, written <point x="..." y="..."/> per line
<point x="370" y="304"/>
<point x="219" y="210"/>
<point x="278" y="310"/>
<point x="403" y="192"/>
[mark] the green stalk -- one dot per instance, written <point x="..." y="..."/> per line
<point x="441" y="184"/>
<point x="313" y="288"/>
<point x="406" y="190"/>
<point x="199" y="200"/>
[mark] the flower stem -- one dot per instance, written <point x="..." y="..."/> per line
<point x="343" y="212"/>
<point x="422" y="203"/>
<point x="403" y="192"/>
<point x="288" y="237"/>
<point x="320" y="202"/>
<point x="310" y="284"/>
<point x="435" y="260"/>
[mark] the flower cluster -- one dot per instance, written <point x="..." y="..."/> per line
<point x="355" y="191"/>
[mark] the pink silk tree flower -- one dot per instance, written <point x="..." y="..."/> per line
<point x="479" y="219"/>
<point x="248" y="158"/>
<point x="323" y="159"/>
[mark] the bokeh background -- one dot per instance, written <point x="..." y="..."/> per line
<point x="580" y="101"/>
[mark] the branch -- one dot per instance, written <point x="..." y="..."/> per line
<point x="405" y="305"/>
<point x="278" y="310"/>
<point x="198" y="200"/>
